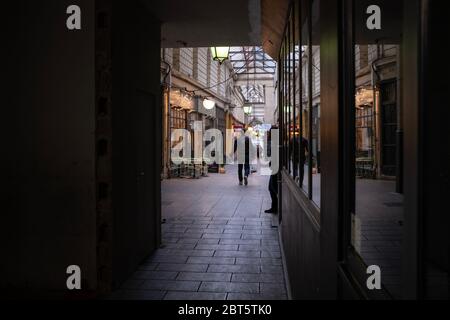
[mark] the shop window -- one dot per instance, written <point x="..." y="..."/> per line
<point x="284" y="105"/>
<point x="178" y="119"/>
<point x="377" y="218"/>
<point x="290" y="125"/>
<point x="315" y="137"/>
<point x="305" y="147"/>
<point x="297" y="91"/>
<point x="299" y="77"/>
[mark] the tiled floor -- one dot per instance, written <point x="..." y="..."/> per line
<point x="377" y="235"/>
<point x="217" y="244"/>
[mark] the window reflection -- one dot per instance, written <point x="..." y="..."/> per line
<point x="296" y="128"/>
<point x="378" y="219"/>
<point x="304" y="176"/>
<point x="289" y="109"/>
<point x="300" y="97"/>
<point x="315" y="111"/>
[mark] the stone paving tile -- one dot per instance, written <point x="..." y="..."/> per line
<point x="191" y="253"/>
<point x="259" y="261"/>
<point x="229" y="287"/>
<point x="255" y="297"/>
<point x="259" y="237"/>
<point x="211" y="260"/>
<point x="198" y="227"/>
<point x="232" y="226"/>
<point x="236" y="268"/>
<point x="238" y="254"/>
<point x="252" y="231"/>
<point x="188" y="241"/>
<point x="209" y="230"/>
<point x="236" y="219"/>
<point x="217" y="243"/>
<point x="171" y="285"/>
<point x="221" y="236"/>
<point x="201" y="253"/>
<point x="171" y="229"/>
<point x="236" y="223"/>
<point x="253" y="223"/>
<point x="192" y="235"/>
<point x="233" y="231"/>
<point x="247" y="227"/>
<point x="257" y="219"/>
<point x="271" y="269"/>
<point x="194" y="226"/>
<point x="270" y="231"/>
<point x="210" y="241"/>
<point x="262" y="278"/>
<point x="204" y="276"/>
<point x="180" y="295"/>
<point x="217" y="247"/>
<point x="270" y="254"/>
<point x="240" y="241"/>
<point x="244" y="247"/>
<point x="219" y="219"/>
<point x="265" y="242"/>
<point x="182" y="267"/>
<point x="182" y="221"/>
<point x="179" y="246"/>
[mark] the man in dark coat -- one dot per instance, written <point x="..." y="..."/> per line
<point x="273" y="181"/>
<point x="303" y="149"/>
<point x="299" y="157"/>
<point x="244" y="161"/>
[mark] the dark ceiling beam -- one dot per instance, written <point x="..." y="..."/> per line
<point x="273" y="21"/>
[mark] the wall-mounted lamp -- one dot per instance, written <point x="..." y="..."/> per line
<point x="220" y="53"/>
<point x="248" y="109"/>
<point x="208" y="104"/>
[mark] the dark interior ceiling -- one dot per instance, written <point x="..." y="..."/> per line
<point x="273" y="21"/>
<point x="204" y="23"/>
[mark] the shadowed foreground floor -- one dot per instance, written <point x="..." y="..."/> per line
<point x="217" y="244"/>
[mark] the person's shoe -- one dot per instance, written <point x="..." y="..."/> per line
<point x="272" y="211"/>
<point x="246" y="181"/>
<point x="240" y="183"/>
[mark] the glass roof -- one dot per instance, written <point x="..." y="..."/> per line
<point x="253" y="94"/>
<point x="251" y="60"/>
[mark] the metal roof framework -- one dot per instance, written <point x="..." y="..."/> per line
<point x="252" y="61"/>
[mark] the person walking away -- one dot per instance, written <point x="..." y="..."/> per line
<point x="303" y="150"/>
<point x="299" y="157"/>
<point x="245" y="144"/>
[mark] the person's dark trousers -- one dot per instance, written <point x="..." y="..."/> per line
<point x="246" y="168"/>
<point x="302" y="173"/>
<point x="273" y="189"/>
